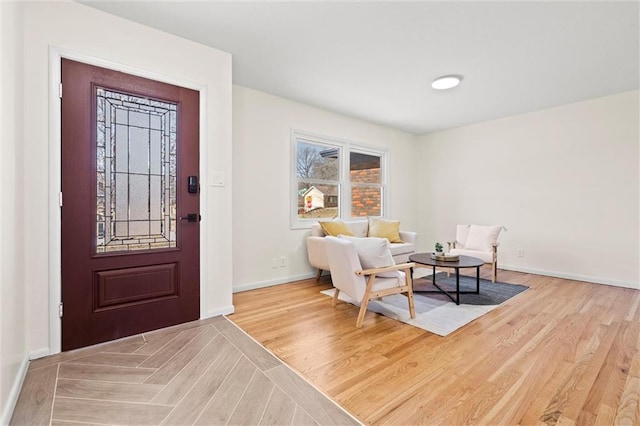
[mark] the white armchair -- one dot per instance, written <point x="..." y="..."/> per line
<point x="478" y="241"/>
<point x="348" y="275"/>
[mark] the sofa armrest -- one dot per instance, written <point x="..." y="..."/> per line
<point x="409" y="237"/>
<point x="317" y="253"/>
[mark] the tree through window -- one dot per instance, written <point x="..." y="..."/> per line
<point x="318" y="175"/>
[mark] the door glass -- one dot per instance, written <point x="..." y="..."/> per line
<point x="136" y="172"/>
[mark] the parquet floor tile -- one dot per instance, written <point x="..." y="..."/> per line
<point x="205" y="373"/>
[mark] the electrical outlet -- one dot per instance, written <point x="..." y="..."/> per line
<point x="520" y="252"/>
<point x="283" y="261"/>
<point x="274" y="262"/>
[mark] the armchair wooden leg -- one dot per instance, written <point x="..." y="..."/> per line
<point x="335" y="297"/>
<point x="363" y="310"/>
<point x="495" y="271"/>
<point x="365" y="301"/>
<point x="319" y="275"/>
<point x="412" y="308"/>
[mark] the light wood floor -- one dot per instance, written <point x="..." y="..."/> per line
<point x="564" y="352"/>
<point x="204" y="373"/>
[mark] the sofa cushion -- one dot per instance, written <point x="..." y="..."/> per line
<point x="359" y="228"/>
<point x="382" y="228"/>
<point x="401" y="248"/>
<point x="335" y="228"/>
<point x="373" y="253"/>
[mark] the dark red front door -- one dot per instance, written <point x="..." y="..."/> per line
<point x="130" y="214"/>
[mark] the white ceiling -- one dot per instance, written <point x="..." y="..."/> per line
<point x="376" y="60"/>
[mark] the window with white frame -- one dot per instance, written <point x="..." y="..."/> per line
<point x="332" y="178"/>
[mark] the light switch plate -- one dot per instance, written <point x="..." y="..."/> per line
<point x="217" y="178"/>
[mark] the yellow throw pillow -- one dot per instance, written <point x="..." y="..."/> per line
<point x="381" y="228"/>
<point x="335" y="228"/>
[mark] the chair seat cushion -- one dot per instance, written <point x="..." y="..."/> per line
<point x="383" y="283"/>
<point x="485" y="256"/>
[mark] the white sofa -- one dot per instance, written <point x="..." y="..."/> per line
<point x="318" y="255"/>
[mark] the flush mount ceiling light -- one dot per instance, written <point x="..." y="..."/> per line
<point x="446" y="82"/>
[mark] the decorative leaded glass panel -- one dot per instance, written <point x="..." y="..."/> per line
<point x="136" y="158"/>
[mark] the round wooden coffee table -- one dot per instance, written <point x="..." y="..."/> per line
<point x="424" y="259"/>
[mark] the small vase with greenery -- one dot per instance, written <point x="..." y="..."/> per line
<point x="438" y="248"/>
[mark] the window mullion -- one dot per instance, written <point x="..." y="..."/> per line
<point x="345" y="196"/>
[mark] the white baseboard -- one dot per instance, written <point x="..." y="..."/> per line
<point x="421" y="272"/>
<point x="589" y="279"/>
<point x="10" y="403"/>
<point x="225" y="310"/>
<point x="39" y="353"/>
<point x="260" y="284"/>
<point x="418" y="272"/>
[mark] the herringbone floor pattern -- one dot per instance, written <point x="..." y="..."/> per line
<point x="200" y="373"/>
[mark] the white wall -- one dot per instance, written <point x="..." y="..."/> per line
<point x="261" y="174"/>
<point x="75" y="28"/>
<point x="564" y="181"/>
<point x="13" y="346"/>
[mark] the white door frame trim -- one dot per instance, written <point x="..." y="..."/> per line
<point x="55" y="180"/>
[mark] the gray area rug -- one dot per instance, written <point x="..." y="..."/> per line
<point x="435" y="312"/>
<point x="490" y="293"/>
